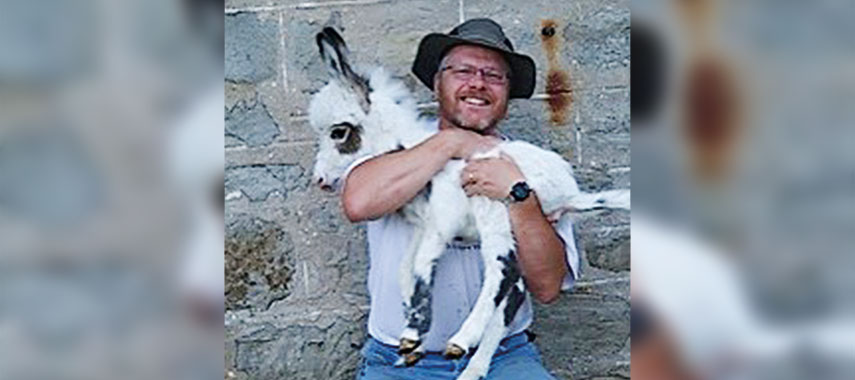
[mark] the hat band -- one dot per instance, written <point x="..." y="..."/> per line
<point x="486" y="41"/>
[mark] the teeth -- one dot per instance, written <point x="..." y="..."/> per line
<point x="475" y="101"/>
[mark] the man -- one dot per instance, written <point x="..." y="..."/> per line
<point x="473" y="72"/>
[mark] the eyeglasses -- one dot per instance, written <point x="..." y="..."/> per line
<point x="465" y="73"/>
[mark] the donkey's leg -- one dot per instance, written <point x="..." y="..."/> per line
<point x="444" y="217"/>
<point x="479" y="365"/>
<point x="500" y="273"/>
<point x="419" y="314"/>
<point x="407" y="283"/>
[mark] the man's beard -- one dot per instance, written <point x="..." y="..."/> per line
<point x="481" y="126"/>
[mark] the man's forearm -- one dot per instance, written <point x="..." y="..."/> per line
<point x="383" y="184"/>
<point x="540" y="251"/>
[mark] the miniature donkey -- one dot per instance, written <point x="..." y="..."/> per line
<point x="358" y="116"/>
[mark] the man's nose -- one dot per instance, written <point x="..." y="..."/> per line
<point x="477" y="80"/>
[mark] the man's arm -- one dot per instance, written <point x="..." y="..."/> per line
<point x="540" y="251"/>
<point x="383" y="184"/>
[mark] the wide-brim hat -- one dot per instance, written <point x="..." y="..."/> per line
<point x="480" y="32"/>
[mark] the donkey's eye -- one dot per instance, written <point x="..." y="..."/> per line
<point x="338" y="133"/>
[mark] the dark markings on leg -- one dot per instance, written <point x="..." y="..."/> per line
<point x="420" y="300"/>
<point x="510" y="275"/>
<point x="419" y="315"/>
<point x="515" y="300"/>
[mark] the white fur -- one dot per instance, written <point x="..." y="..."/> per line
<point x="392" y="122"/>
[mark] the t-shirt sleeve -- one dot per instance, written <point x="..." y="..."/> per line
<point x="564" y="228"/>
<point x="355" y="164"/>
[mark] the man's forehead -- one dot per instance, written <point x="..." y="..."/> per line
<point x="474" y="52"/>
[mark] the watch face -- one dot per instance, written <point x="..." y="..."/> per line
<point x="520" y="191"/>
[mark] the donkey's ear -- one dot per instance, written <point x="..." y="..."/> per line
<point x="334" y="52"/>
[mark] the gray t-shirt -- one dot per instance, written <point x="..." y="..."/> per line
<point x="457" y="282"/>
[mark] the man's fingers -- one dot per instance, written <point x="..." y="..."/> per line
<point x="472" y="189"/>
<point x="467" y="177"/>
<point x="468" y="190"/>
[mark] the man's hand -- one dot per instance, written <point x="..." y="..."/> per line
<point x="490" y="177"/>
<point x="466" y="143"/>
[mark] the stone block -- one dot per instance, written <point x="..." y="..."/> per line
<point x="603" y="110"/>
<point x="259" y="263"/>
<point x="251" y="47"/>
<point x="300" y="153"/>
<point x="332" y="250"/>
<point x="605" y="150"/>
<point x="600" y="38"/>
<point x="302" y="352"/>
<point x="604" y="238"/>
<point x="251" y="124"/>
<point x="602" y="178"/>
<point x="608" y="248"/>
<point x="259" y="182"/>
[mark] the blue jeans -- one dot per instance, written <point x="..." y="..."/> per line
<point x="515" y="359"/>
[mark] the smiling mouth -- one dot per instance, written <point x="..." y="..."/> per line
<point x="475" y="101"/>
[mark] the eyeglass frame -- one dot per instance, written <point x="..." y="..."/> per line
<point x="503" y="79"/>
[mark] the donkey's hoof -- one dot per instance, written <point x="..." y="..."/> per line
<point x="453" y="351"/>
<point x="412" y="358"/>
<point x="407" y="346"/>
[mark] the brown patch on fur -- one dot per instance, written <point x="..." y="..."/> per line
<point x="353" y="141"/>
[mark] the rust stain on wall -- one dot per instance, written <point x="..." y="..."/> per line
<point x="711" y="116"/>
<point x="547" y="36"/>
<point x="559" y="95"/>
<point x="712" y="108"/>
<point x="557" y="80"/>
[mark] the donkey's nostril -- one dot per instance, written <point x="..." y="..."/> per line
<point x="320" y="181"/>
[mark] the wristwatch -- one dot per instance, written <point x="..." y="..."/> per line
<point x="520" y="191"/>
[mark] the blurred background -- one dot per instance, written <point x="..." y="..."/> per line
<point x="744" y="189"/>
<point x="111" y="135"/>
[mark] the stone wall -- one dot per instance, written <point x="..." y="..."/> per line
<point x="296" y="270"/>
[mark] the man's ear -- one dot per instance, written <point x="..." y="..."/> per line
<point x="436" y="79"/>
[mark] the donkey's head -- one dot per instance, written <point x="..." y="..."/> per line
<point x="337" y="113"/>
